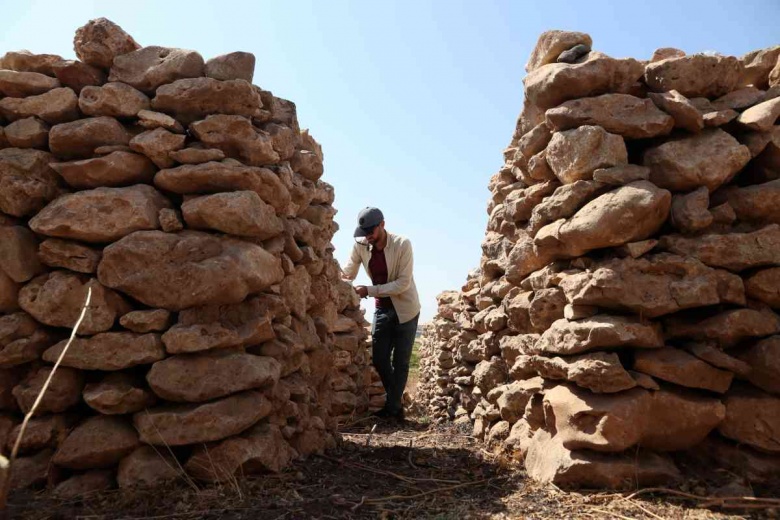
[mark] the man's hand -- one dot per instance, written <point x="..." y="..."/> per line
<point x="361" y="291"/>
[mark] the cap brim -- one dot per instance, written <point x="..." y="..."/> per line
<point x="360" y="232"/>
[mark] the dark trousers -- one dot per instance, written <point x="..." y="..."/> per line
<point x="392" y="350"/>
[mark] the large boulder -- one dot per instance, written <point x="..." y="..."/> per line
<point x="151" y="67"/>
<point x="241" y="213"/>
<point x="709" y="159"/>
<point x="261" y="449"/>
<point x="100" y="41"/>
<point x="630" y="213"/>
<point x="80" y="139"/>
<point x="566" y="337"/>
<point x="191" y="99"/>
<point x="27" y="183"/>
<point x="59" y="105"/>
<point x="550" y="85"/>
<point x="213" y="177"/>
<point x="574" y="154"/>
<point x="653" y="285"/>
<point x="118" y="168"/>
<point x="237" y="137"/>
<point x="57" y="298"/>
<point x="99" y="442"/>
<point x="177" y="425"/>
<point x="109" y="351"/>
<point x="102" y="214"/>
<point x="679" y="367"/>
<point x="204" y="376"/>
<point x="732" y="251"/>
<point x="621" y="114"/>
<point x="176" y="271"/>
<point x="694" y="76"/>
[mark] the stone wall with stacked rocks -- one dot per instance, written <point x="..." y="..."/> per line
<point x="191" y="203"/>
<point x="624" y="315"/>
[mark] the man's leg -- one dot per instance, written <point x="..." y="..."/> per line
<point x="384" y="324"/>
<point x="403" y="343"/>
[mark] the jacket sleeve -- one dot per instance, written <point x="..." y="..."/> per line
<point x="350" y="271"/>
<point x="404" y="280"/>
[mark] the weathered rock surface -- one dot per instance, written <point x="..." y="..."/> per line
<point x="679" y="367"/>
<point x="177" y="425"/>
<point x="234" y="65"/>
<point x="63" y="393"/>
<point x="753" y="418"/>
<point x="147" y="467"/>
<point x="100" y="41"/>
<point x="157" y="320"/>
<point x="727" y="328"/>
<point x="574" y="154"/>
<point x="764" y="361"/>
<point x="115" y="169"/>
<point x="685" y="114"/>
<point x="189" y="100"/>
<point x="698" y="75"/>
<point x="59" y="105"/>
<point x="598" y="333"/>
<point x="191" y="268"/>
<point x="109" y="351"/>
<point x="151" y="67"/>
<point x="79" y="139"/>
<point x="99" y="442"/>
<point x="18" y="253"/>
<point x="599" y="372"/>
<point x="102" y="214"/>
<point x="157" y="145"/>
<point x="27" y="183"/>
<point x="118" y="393"/>
<point x="112" y="99"/>
<point x="764" y="285"/>
<point x="237" y="137"/>
<point x="69" y="255"/>
<point x="241" y="213"/>
<point x="23" y="84"/>
<point x="552" y="43"/>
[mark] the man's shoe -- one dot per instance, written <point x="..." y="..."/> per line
<point x="382" y="413"/>
<point x="398" y="415"/>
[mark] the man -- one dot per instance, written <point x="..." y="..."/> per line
<point x="387" y="258"/>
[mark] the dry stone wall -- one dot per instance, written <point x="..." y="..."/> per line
<point x="625" y="311"/>
<point x="192" y="204"/>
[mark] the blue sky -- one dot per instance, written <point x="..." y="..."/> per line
<point x="413" y="101"/>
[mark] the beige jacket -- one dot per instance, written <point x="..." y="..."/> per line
<point x="400" y="285"/>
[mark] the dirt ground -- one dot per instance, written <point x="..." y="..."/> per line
<point x="415" y="471"/>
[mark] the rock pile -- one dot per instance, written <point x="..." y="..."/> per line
<point x="191" y="203"/>
<point x="625" y="310"/>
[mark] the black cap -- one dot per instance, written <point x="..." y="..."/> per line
<point x="368" y="219"/>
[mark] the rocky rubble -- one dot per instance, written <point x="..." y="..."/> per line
<point x="625" y="311"/>
<point x="191" y="203"/>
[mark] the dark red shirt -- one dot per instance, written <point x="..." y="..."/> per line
<point x="377" y="266"/>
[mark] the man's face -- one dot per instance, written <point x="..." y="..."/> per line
<point x="376" y="234"/>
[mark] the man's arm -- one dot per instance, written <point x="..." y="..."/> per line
<point x="404" y="280"/>
<point x="350" y="271"/>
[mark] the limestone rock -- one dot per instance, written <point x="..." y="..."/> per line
<point x="237" y="137"/>
<point x="42" y="432"/>
<point x="32" y="470"/>
<point x="147" y="467"/>
<point x="213" y="177"/>
<point x="598" y="333"/>
<point x="733" y="251"/>
<point x="69" y="255"/>
<point x="217" y="271"/>
<point x="99" y="442"/>
<point x="84" y="484"/>
<point x="727" y="328"/>
<point x="157" y="144"/>
<point x="709" y="159"/>
<point x="56" y="299"/>
<point x="680" y="419"/>
<point x="719" y="118"/>
<point x="757" y="66"/>
<point x="58" y="105"/>
<point x="109" y="351"/>
<point x="170" y="220"/>
<point x="156" y="320"/>
<point x="101" y="214"/>
<point x="234" y="65"/>
<point x="574" y="154"/>
<point x="196" y="155"/>
<point x="79" y="139"/>
<point x="18" y="253"/>
<point x="27" y="183"/>
<point x="151" y="67"/>
<point x="764" y="285"/>
<point x="261" y="449"/>
<point x="551" y="85"/>
<point x="23" y="84"/>
<point x="241" y="213"/>
<point x="551" y="44"/>
<point x="205" y="376"/>
<point x="653" y="286"/>
<point x="621" y="114"/>
<point x="764" y="361"/>
<point x="115" y="169"/>
<point x="118" y="393"/>
<point x="717" y="358"/>
<point x="752" y="418"/>
<point x="564" y="202"/>
<point x="63" y="393"/>
<point x="690" y="211"/>
<point x="77" y="75"/>
<point x="151" y="120"/>
<point x="189" y="100"/>
<point x="9" y="293"/>
<point x="685" y="114"/>
<point x="513" y="400"/>
<point x="621" y="175"/>
<point x="100" y="41"/>
<point x="26" y="61"/>
<point x="534" y="141"/>
<point x="490" y="373"/>
<point x="27" y="133"/>
<point x="177" y="425"/>
<point x="679" y="367"/>
<point x="599" y="372"/>
<point x="698" y="75"/>
<point x="664" y="53"/>
<point x="761" y="117"/>
<point x="627" y="214"/>
<point x="757" y="203"/>
<point x="112" y="99"/>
